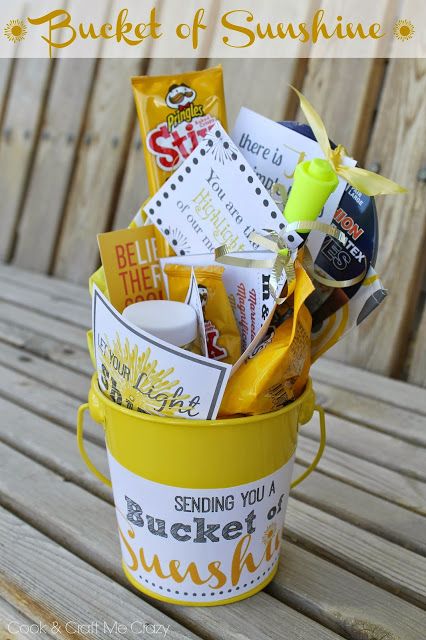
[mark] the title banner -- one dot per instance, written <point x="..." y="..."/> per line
<point x="212" y="28"/>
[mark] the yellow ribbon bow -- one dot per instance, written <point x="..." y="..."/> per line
<point x="365" y="181"/>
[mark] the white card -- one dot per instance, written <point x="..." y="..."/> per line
<point x="214" y="198"/>
<point x="274" y="151"/>
<point x="194" y="301"/>
<point x="248" y="290"/>
<point x="142" y="372"/>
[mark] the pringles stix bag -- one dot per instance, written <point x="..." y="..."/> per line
<point x="277" y="371"/>
<point x="222" y="334"/>
<point x="175" y="112"/>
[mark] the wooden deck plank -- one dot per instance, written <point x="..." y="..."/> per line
<point x="24" y="279"/>
<point x="349" y="605"/>
<point x="98" y="545"/>
<point x="49" y="304"/>
<point x="56" y="405"/>
<point x="15" y="625"/>
<point x="365" y="510"/>
<point x="40" y="490"/>
<point x="379" y="561"/>
<point x="54" y="585"/>
<point x="13" y="314"/>
<point x="53" y="163"/>
<point x="382" y="340"/>
<point x="375" y="413"/>
<point x="47" y="348"/>
<point x="368" y="444"/>
<point x="387" y="484"/>
<point x="51" y="374"/>
<point x="42" y="441"/>
<point x="45" y="401"/>
<point x="100" y="158"/>
<point x="372" y="385"/>
<point x="20" y="127"/>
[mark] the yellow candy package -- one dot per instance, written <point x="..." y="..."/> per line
<point x="277" y="371"/>
<point x="175" y="112"/>
<point x="222" y="334"/>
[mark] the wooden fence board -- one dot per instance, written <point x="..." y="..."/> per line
<point x="6" y="67"/>
<point x="101" y="154"/>
<point x="382" y="339"/>
<point x="261" y="85"/>
<point x="344" y="92"/>
<point x="53" y="164"/>
<point x="20" y="133"/>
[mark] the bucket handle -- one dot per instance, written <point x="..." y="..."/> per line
<point x="80" y="441"/>
<point x="107" y="482"/>
<point x="320" y="451"/>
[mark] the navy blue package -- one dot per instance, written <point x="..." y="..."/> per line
<point x="356" y="216"/>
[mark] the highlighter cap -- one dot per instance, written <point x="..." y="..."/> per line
<point x="314" y="182"/>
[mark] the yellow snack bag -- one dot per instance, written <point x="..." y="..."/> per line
<point x="222" y="334"/>
<point x="277" y="371"/>
<point x="175" y="112"/>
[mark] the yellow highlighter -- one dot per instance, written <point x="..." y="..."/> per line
<point x="314" y="181"/>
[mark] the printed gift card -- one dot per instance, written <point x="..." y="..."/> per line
<point x="214" y="198"/>
<point x="144" y="373"/>
<point x="274" y="151"/>
<point x="130" y="261"/>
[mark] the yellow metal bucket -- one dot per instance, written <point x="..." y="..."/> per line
<point x="200" y="504"/>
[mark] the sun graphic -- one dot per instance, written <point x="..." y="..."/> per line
<point x="269" y="533"/>
<point x="15" y="30"/>
<point x="137" y="382"/>
<point x="403" y="30"/>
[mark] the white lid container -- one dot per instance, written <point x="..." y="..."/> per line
<point x="173" y="322"/>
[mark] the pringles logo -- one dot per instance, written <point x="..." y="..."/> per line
<point x="181" y="98"/>
<point x="173" y="140"/>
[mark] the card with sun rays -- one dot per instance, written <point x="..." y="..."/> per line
<point x="146" y="374"/>
<point x="214" y="198"/>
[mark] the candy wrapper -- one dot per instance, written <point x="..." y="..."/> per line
<point x="277" y="370"/>
<point x="222" y="334"/>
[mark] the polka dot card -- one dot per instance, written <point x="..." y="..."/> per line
<point x="214" y="198"/>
